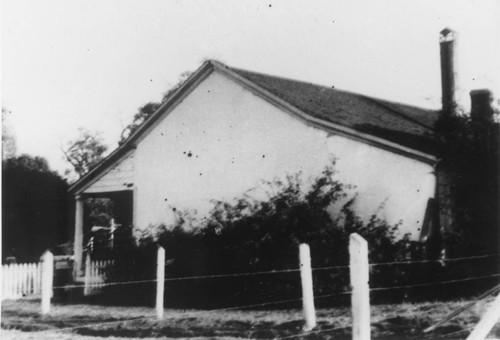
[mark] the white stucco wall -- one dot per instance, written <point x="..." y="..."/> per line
<point x="223" y="140"/>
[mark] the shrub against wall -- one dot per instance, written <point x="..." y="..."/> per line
<point x="257" y="233"/>
<point x="261" y="231"/>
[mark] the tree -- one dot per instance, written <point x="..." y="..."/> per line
<point x="139" y="118"/>
<point x="34" y="208"/>
<point x="148" y="109"/>
<point x="470" y="157"/>
<point x="85" y="152"/>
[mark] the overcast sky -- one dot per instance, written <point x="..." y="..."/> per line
<point x="67" y="64"/>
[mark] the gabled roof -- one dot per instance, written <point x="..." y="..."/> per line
<point x="406" y="125"/>
<point x="400" y="128"/>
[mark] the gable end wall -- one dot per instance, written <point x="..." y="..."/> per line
<point x="119" y="177"/>
<point x="222" y="140"/>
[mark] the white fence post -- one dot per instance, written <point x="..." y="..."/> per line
<point x="88" y="272"/>
<point x="360" y="296"/>
<point x="160" y="282"/>
<point x="47" y="280"/>
<point x="487" y="321"/>
<point x="307" y="287"/>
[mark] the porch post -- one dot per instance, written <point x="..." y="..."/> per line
<point x="78" y="245"/>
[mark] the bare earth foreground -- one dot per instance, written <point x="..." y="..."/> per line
<point x="21" y="320"/>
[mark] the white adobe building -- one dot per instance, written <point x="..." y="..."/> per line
<point x="226" y="129"/>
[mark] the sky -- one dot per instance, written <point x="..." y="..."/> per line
<point x="92" y="64"/>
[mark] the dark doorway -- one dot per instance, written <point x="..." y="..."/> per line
<point x="108" y="222"/>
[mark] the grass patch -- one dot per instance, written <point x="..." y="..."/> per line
<point x="21" y="320"/>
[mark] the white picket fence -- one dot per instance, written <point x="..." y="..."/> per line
<point x="95" y="275"/>
<point x="19" y="280"/>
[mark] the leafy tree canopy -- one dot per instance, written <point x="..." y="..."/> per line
<point x="85" y="152"/>
<point x="469" y="150"/>
<point x="148" y="109"/>
<point x="34" y="208"/>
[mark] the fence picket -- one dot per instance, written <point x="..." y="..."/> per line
<point x="37" y="279"/>
<point x="24" y="280"/>
<point x="95" y="275"/>
<point x="5" y="280"/>
<point x="35" y="268"/>
<point x="20" y="280"/>
<point x="32" y="278"/>
<point x="28" y="289"/>
<point x="17" y="281"/>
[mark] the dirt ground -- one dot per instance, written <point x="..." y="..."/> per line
<point x="21" y="320"/>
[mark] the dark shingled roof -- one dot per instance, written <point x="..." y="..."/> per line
<point x="398" y="123"/>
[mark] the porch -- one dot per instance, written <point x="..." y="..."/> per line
<point x="103" y="221"/>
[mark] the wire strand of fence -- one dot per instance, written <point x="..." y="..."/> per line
<point x="185" y="313"/>
<point x="72" y="328"/>
<point x="107" y="284"/>
<point x="65" y="329"/>
<point x="124" y="245"/>
<point x="320" y="331"/>
<point x="435" y="283"/>
<point x="311" y="332"/>
<point x="447" y="335"/>
<point x="281" y="271"/>
<point x="375" y="264"/>
<point x="462" y="309"/>
<point x="434" y="261"/>
<point x="232" y="275"/>
<point x="330" y="267"/>
<point x="265" y="303"/>
<point x="255" y="305"/>
<point x="189" y="278"/>
<point x="273" y="272"/>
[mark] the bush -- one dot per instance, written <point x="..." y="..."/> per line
<point x="34" y="208"/>
<point x="252" y="235"/>
<point x="469" y="152"/>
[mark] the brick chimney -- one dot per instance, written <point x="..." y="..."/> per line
<point x="447" y="39"/>
<point x="481" y="109"/>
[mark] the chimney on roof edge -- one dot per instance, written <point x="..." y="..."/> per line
<point x="447" y="38"/>
<point x="481" y="109"/>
